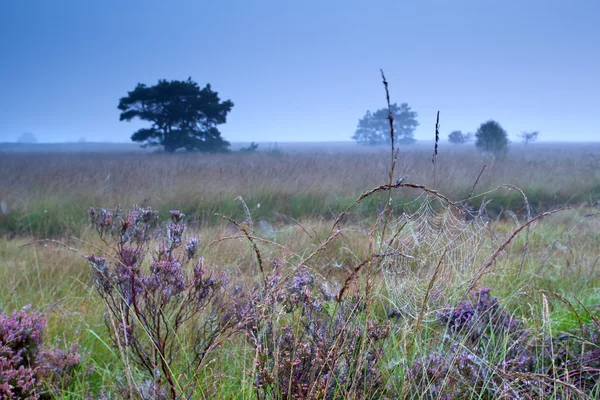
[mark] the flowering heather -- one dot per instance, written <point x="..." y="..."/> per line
<point x="490" y="354"/>
<point x="155" y="304"/>
<point x="191" y="248"/>
<point x="470" y="372"/>
<point x="310" y="346"/>
<point x="483" y="325"/>
<point x="458" y="374"/>
<point x="481" y="314"/>
<point x="176" y="216"/>
<point x="169" y="312"/>
<point x="27" y="371"/>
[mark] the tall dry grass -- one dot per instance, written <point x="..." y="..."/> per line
<point x="47" y="194"/>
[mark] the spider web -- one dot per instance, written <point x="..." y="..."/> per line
<point x="423" y="237"/>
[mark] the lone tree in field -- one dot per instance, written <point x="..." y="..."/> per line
<point x="457" y="137"/>
<point x="527" y="137"/>
<point x="183" y="116"/>
<point x="374" y="128"/>
<point x="492" y="138"/>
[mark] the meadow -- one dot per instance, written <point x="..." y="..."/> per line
<point x="278" y="284"/>
<point x="46" y="194"/>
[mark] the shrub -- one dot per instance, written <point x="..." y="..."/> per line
<point x="480" y="315"/>
<point x="27" y="371"/>
<point x="310" y="346"/>
<point x="478" y="332"/>
<point x="487" y="353"/>
<point x="162" y="313"/>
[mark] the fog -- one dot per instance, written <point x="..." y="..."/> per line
<point x="306" y="71"/>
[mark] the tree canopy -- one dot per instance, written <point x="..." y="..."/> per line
<point x="182" y="115"/>
<point x="374" y="128"/>
<point x="457" y="137"/>
<point x="492" y="138"/>
<point x="530" y="136"/>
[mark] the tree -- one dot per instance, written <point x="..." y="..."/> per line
<point x="529" y="136"/>
<point x="27" y="137"/>
<point x="183" y="116"/>
<point x="374" y="128"/>
<point x="250" y="149"/>
<point x="457" y="137"/>
<point x="492" y="138"/>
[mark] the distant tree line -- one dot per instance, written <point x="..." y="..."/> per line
<point x="374" y="129"/>
<point x="183" y="116"/>
<point x="491" y="138"/>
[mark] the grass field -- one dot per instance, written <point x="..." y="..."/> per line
<point x="309" y="308"/>
<point x="47" y="194"/>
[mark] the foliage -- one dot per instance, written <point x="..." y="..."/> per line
<point x="530" y="136"/>
<point x="308" y="344"/>
<point x="322" y="349"/>
<point x="492" y="354"/>
<point x="250" y="149"/>
<point x="457" y="137"/>
<point x="492" y="138"/>
<point x="374" y="128"/>
<point x="151" y="308"/>
<point x="296" y="339"/>
<point x="169" y="314"/>
<point x="25" y="367"/>
<point x="183" y="116"/>
<point x="482" y="312"/>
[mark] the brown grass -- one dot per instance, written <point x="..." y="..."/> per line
<point x="40" y="189"/>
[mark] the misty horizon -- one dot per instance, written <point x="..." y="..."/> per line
<point x="304" y="72"/>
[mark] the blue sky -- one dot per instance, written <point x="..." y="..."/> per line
<point x="304" y="70"/>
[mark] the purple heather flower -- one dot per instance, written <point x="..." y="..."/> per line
<point x="104" y="218"/>
<point x="176" y="216"/>
<point x="192" y="247"/>
<point x="168" y="277"/>
<point x="130" y="256"/>
<point x="147" y="215"/>
<point x="99" y="263"/>
<point x="175" y="234"/>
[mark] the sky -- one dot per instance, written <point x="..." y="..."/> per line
<point x="303" y="70"/>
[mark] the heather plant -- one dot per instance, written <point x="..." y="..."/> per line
<point x="284" y="333"/>
<point x="310" y="346"/>
<point x="486" y="352"/>
<point x="27" y="370"/>
<point x="580" y="364"/>
<point x="479" y="316"/>
<point x="160" y="297"/>
<point x="481" y="346"/>
<point x="308" y="342"/>
<point x="459" y="374"/>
